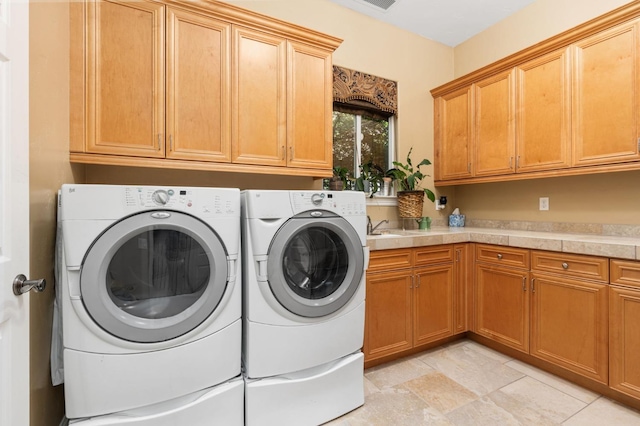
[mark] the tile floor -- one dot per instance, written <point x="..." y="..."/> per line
<point x="465" y="383"/>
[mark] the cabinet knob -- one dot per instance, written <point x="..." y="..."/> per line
<point x="499" y="256"/>
<point x="565" y="265"/>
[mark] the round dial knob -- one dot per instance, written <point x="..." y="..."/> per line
<point x="160" y="197"/>
<point x="316" y="199"/>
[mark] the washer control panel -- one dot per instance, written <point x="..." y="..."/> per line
<point x="343" y="203"/>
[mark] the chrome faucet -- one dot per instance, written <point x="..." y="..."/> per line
<point x="371" y="228"/>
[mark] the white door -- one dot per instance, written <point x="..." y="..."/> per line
<point x="14" y="210"/>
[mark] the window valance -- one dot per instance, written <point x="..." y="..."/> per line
<point x="359" y="90"/>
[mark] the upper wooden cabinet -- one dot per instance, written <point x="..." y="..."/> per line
<point x="207" y="87"/>
<point x="295" y="78"/>
<point x="124" y="54"/>
<point x="566" y="106"/>
<point x="606" y="97"/>
<point x="495" y="125"/>
<point x="543" y="127"/>
<point x="198" y="92"/>
<point x="454" y="131"/>
<point x="259" y="88"/>
<point x="129" y="109"/>
<point x="309" y="106"/>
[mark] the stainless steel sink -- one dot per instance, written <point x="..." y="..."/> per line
<point x="383" y="234"/>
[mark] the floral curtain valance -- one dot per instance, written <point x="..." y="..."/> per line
<point x="357" y="89"/>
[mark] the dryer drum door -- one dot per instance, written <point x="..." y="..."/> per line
<point x="154" y="276"/>
<point x="315" y="265"/>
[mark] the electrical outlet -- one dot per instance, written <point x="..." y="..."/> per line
<point x="544" y="203"/>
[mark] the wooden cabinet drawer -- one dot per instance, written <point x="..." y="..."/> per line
<point x="504" y="256"/>
<point x="625" y="272"/>
<point x="575" y="265"/>
<point x="386" y="260"/>
<point x="432" y="255"/>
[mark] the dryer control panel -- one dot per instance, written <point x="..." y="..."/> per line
<point x="189" y="199"/>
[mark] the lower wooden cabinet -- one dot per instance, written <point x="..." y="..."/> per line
<point x="569" y="324"/>
<point x="432" y="303"/>
<point x="624" y="327"/>
<point x="411" y="305"/>
<point x="389" y="317"/>
<point x="462" y="295"/>
<point x="569" y="312"/>
<point x="577" y="312"/>
<point x="501" y="296"/>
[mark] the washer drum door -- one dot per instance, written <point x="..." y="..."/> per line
<point x="154" y="276"/>
<point x="315" y="264"/>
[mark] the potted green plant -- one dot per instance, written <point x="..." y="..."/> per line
<point x="370" y="178"/>
<point x="410" y="193"/>
<point x="387" y="183"/>
<point x="339" y="180"/>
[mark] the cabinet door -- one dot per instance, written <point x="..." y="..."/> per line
<point x="388" y="322"/>
<point x="259" y="98"/>
<point x="495" y="125"/>
<point x="198" y="87"/>
<point x="502" y="306"/>
<point x="544" y="113"/>
<point x="454" y="135"/>
<point x="125" y="78"/>
<point x="624" y="338"/>
<point x="569" y="321"/>
<point x="309" y="107"/>
<point x="433" y="301"/>
<point x="605" y="98"/>
<point x="461" y="291"/>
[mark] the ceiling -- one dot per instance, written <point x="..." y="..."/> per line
<point x="447" y="21"/>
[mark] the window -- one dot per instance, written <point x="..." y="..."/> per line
<point x="364" y="110"/>
<point x="360" y="138"/>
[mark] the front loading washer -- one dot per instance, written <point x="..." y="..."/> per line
<point x="304" y="258"/>
<point x="150" y="303"/>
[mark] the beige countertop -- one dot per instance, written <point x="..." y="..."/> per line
<point x="598" y="245"/>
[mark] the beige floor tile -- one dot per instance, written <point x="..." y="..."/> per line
<point x="467" y="384"/>
<point x="533" y="402"/>
<point x="440" y="392"/>
<point x="369" y="387"/>
<point x="482" y="412"/>
<point x="397" y="372"/>
<point x="605" y="412"/>
<point x="556" y="382"/>
<point x="393" y="406"/>
<point x="471" y="368"/>
<point x="501" y="358"/>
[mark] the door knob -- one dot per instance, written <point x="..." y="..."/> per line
<point x="22" y="285"/>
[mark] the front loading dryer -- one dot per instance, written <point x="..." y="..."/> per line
<point x="150" y="294"/>
<point x="304" y="257"/>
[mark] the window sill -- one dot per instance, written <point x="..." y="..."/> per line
<point x="382" y="201"/>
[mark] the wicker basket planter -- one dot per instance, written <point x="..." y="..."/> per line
<point x="410" y="203"/>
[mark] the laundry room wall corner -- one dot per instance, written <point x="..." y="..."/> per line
<point x="49" y="168"/>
